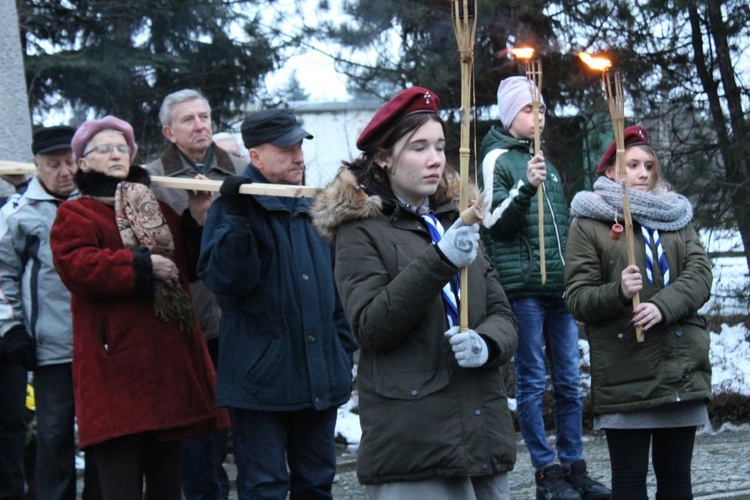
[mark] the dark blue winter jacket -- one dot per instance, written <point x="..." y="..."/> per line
<point x="284" y="343"/>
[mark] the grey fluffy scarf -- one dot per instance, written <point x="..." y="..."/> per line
<point x="668" y="211"/>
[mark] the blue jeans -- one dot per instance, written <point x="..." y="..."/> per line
<point x="266" y="442"/>
<point x="12" y="428"/>
<point x="545" y="325"/>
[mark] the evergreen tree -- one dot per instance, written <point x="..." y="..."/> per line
<point x="677" y="60"/>
<point x="122" y="58"/>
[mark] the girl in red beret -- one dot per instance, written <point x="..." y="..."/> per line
<point x="432" y="400"/>
<point x="651" y="393"/>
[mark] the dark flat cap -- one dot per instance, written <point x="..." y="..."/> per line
<point x="634" y="135"/>
<point x="51" y="139"/>
<point x="407" y="102"/>
<point x="275" y="126"/>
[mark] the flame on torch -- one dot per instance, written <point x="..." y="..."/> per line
<point x="522" y="52"/>
<point x="597" y="63"/>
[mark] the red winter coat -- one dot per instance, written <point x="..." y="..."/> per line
<point x="132" y="372"/>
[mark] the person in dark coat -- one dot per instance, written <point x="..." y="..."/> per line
<point x="285" y="349"/>
<point x="142" y="375"/>
<point x="651" y="394"/>
<point x="432" y="399"/>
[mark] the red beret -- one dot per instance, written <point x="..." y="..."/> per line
<point x="634" y="135"/>
<point x="407" y="102"/>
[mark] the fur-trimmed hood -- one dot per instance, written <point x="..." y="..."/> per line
<point x="344" y="200"/>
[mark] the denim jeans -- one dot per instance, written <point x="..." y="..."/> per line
<point x="12" y="428"/>
<point x="546" y="326"/>
<point x="266" y="442"/>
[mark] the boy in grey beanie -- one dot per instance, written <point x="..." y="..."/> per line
<point x="509" y="176"/>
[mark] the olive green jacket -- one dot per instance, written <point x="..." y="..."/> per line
<point x="672" y="364"/>
<point x="422" y="415"/>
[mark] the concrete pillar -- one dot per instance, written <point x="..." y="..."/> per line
<point x="15" y="132"/>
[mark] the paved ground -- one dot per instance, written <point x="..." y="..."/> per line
<point x="721" y="468"/>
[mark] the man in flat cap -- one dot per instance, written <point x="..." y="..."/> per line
<point x="36" y="328"/>
<point x="286" y="350"/>
<point x="185" y="117"/>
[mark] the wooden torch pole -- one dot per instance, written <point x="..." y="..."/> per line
<point x="613" y="90"/>
<point x="464" y="26"/>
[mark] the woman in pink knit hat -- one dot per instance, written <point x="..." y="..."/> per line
<point x="142" y="375"/>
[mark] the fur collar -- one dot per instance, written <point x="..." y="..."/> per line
<point x="343" y="201"/>
<point x="98" y="185"/>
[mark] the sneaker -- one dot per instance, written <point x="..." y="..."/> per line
<point x="551" y="485"/>
<point x="577" y="476"/>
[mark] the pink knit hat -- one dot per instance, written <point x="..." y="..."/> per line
<point x="90" y="128"/>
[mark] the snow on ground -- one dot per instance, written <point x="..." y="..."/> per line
<point x="730" y="349"/>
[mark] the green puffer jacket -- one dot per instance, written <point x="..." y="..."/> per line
<point x="511" y="228"/>
<point x="672" y="363"/>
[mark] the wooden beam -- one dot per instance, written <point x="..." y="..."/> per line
<point x="285" y="190"/>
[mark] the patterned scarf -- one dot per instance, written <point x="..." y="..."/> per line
<point x="141" y="223"/>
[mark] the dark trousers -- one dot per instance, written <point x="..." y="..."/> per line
<point x="12" y="429"/>
<point x="672" y="455"/>
<point x="55" y="437"/>
<point x="126" y="463"/>
<point x="266" y="443"/>
<point x="203" y="474"/>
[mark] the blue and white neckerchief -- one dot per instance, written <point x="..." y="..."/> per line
<point x="653" y="235"/>
<point x="451" y="289"/>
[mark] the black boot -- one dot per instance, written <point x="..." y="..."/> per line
<point x="589" y="489"/>
<point x="551" y="485"/>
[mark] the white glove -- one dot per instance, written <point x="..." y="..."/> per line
<point x="469" y="348"/>
<point x="460" y="243"/>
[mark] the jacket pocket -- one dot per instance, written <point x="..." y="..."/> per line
<point x="265" y="364"/>
<point x="104" y="336"/>
<point x="409" y="386"/>
<point x="619" y="359"/>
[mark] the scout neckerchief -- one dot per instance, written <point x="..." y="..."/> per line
<point x="451" y="290"/>
<point x="650" y="235"/>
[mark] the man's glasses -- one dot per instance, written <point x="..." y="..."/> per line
<point x="108" y="149"/>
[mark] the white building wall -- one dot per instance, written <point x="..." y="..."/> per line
<point x="335" y="127"/>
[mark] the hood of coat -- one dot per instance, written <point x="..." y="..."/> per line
<point x="344" y="200"/>
<point x="97" y="184"/>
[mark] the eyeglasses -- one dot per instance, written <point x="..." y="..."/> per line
<point x="108" y="149"/>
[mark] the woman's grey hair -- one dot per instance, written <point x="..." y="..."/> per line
<point x="175" y="98"/>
